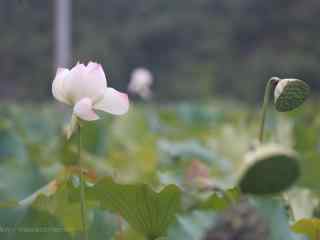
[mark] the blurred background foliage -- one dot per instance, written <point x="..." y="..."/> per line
<point x="177" y="142"/>
<point x="196" y="49"/>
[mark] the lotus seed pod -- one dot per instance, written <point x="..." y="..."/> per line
<point x="290" y="94"/>
<point x="269" y="169"/>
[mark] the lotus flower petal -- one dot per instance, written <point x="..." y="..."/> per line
<point x="83" y="110"/>
<point x="113" y="102"/>
<point x="85" y="82"/>
<point x="58" y="90"/>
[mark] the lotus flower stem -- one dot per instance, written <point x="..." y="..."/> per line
<point x="270" y="85"/>
<point x="82" y="192"/>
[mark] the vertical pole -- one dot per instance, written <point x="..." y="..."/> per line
<point x="62" y="33"/>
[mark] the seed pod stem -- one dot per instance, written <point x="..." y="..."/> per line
<point x="267" y="93"/>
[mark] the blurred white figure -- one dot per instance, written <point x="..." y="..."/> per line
<point x="140" y="83"/>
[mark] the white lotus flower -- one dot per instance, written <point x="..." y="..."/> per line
<point x="85" y="88"/>
<point x="140" y="83"/>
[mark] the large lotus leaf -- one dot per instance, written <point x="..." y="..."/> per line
<point x="62" y="200"/>
<point x="103" y="225"/>
<point x="146" y="211"/>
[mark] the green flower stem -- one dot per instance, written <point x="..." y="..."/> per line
<point x="266" y="100"/>
<point x="82" y="192"/>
